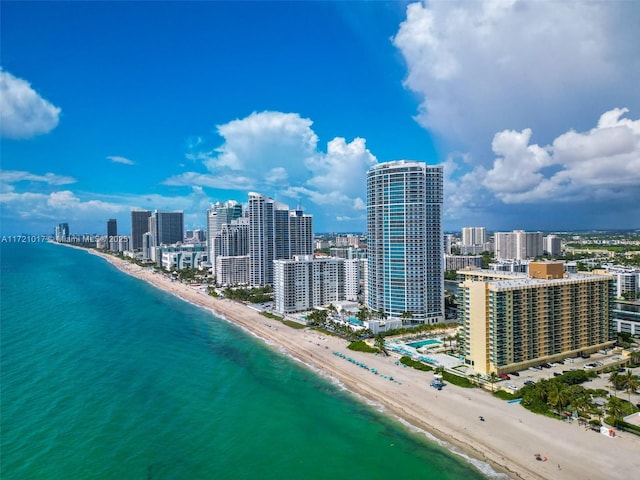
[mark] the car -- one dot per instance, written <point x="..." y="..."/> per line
<point x="512" y="387"/>
<point x="546" y="365"/>
<point x="529" y="382"/>
<point x="515" y="373"/>
<point x="504" y="376"/>
<point x="589" y="366"/>
<point x="556" y="374"/>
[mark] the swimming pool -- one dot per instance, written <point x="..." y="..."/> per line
<point x="423" y="343"/>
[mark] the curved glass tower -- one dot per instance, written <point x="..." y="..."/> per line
<point x="405" y="241"/>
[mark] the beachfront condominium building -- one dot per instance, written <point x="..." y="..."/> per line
<point x="231" y="242"/>
<point x="353" y="271"/>
<point x="232" y="270"/>
<point x="218" y="215"/>
<point x="112" y="232"/>
<point x="405" y="241"/>
<point x="304" y="283"/>
<point x="169" y="227"/>
<point x="552" y="245"/>
<point x="518" y="245"/>
<point x="62" y="232"/>
<point x="275" y="233"/>
<point x="511" y="321"/>
<point x="139" y="226"/>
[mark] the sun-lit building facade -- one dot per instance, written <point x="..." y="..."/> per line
<point x="513" y="320"/>
<point x="405" y="241"/>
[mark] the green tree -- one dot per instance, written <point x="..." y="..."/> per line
<point x="363" y="314"/>
<point x="615" y="409"/>
<point x="617" y="382"/>
<point x="379" y="343"/>
<point x="558" y="395"/>
<point x="317" y="317"/>
<point x="630" y="383"/>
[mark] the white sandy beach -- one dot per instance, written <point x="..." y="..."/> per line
<point x="508" y="439"/>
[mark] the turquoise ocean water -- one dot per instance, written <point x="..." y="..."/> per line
<point x="106" y="377"/>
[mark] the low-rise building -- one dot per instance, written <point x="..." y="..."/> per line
<point x="458" y="262"/>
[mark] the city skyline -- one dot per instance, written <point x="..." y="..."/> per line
<point x="182" y="106"/>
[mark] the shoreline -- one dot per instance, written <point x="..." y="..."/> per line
<point x="507" y="441"/>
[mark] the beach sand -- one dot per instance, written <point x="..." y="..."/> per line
<point x="508" y="439"/>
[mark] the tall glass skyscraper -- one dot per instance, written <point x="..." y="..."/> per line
<point x="139" y="226"/>
<point x="405" y="241"/>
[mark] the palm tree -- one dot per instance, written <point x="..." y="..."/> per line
<point x="363" y="314"/>
<point x="558" y="395"/>
<point x="581" y="403"/>
<point x="406" y="316"/>
<point x="379" y="343"/>
<point x="631" y="383"/>
<point x="616" y="380"/>
<point x="615" y="409"/>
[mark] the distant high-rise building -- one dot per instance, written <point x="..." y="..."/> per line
<point x="112" y="232"/>
<point x="139" y="226"/>
<point x="169" y="227"/>
<point x="474" y="236"/>
<point x="300" y="233"/>
<point x="275" y="233"/>
<point x="233" y="239"/>
<point x="552" y="245"/>
<point x="62" y="232"/>
<point x="405" y="241"/>
<point x="518" y="245"/>
<point x="218" y="215"/>
<point x="148" y="247"/>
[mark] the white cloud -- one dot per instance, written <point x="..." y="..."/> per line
<point x="518" y="169"/>
<point x="268" y="138"/>
<point x="88" y="212"/>
<point x="277" y="154"/>
<point x="123" y="160"/>
<point x="482" y="67"/>
<point x="23" y="112"/>
<point x="600" y="165"/>
<point x="222" y="182"/>
<point x="13" y="176"/>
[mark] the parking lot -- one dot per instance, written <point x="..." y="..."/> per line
<point x="596" y="362"/>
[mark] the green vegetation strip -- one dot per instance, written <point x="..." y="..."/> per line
<point x="361" y="347"/>
<point x="456" y="380"/>
<point x="288" y="323"/>
<point x="292" y="324"/>
<point x="410" y="362"/>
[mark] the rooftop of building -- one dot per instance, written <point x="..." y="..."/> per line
<point x="499" y="279"/>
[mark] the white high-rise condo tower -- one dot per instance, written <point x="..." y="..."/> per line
<point x="405" y="245"/>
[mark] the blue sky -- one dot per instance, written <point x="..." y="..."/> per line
<point x="532" y="107"/>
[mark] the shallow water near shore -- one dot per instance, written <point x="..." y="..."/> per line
<point x="104" y="376"/>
